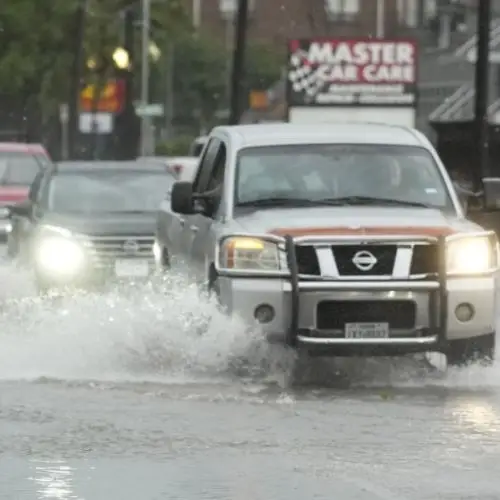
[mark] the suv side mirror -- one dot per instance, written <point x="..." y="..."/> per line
<point x="181" y="199"/>
<point x="23" y="209"/>
<point x="492" y="194"/>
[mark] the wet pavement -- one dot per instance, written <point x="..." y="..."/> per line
<point x="116" y="396"/>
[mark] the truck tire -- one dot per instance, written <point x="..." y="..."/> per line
<point x="42" y="287"/>
<point x="463" y="352"/>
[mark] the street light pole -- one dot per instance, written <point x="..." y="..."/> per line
<point x="238" y="60"/>
<point x="481" y="118"/>
<point x="76" y="74"/>
<point x="380" y="19"/>
<point x="146" y="23"/>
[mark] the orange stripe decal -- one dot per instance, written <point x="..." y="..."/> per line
<point x="365" y="231"/>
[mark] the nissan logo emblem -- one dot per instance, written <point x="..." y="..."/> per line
<point x="131" y="247"/>
<point x="364" y="260"/>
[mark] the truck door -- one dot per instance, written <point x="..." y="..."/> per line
<point x="170" y="226"/>
<point x="199" y="226"/>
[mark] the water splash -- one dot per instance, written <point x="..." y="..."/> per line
<point x="169" y="332"/>
<point x="151" y="330"/>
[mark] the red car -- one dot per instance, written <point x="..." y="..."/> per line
<point x="19" y="165"/>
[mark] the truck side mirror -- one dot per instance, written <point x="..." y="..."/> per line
<point x="181" y="200"/>
<point x="491" y="186"/>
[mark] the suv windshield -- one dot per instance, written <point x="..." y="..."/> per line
<point x="99" y="192"/>
<point x="17" y="168"/>
<point x="354" y="174"/>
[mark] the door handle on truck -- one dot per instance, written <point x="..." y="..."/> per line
<point x="182" y="222"/>
<point x="194" y="229"/>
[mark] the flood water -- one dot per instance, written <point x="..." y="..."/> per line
<point x="118" y="396"/>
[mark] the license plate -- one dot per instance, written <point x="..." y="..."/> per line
<point x="131" y="268"/>
<point x="367" y="330"/>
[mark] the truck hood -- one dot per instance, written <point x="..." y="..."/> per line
<point x="104" y="224"/>
<point x="324" y="221"/>
<point x="13" y="194"/>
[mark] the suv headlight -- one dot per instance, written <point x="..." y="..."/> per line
<point x="471" y="255"/>
<point x="56" y="252"/>
<point x="247" y="253"/>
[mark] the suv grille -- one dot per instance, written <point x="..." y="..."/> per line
<point x="334" y="314"/>
<point x="106" y="249"/>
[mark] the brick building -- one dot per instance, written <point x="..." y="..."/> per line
<point x="273" y="21"/>
<point x="444" y="29"/>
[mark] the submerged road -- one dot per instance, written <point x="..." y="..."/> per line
<point x="113" y="396"/>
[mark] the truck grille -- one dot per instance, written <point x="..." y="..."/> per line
<point x="106" y="249"/>
<point x="307" y="260"/>
<point x="334" y="314"/>
<point x="385" y="255"/>
<point x="425" y="260"/>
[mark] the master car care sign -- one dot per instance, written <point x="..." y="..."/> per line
<point x="346" y="72"/>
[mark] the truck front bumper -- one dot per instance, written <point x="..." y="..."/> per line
<point x="296" y="322"/>
<point x="299" y="306"/>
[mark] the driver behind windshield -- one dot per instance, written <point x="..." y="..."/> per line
<point x="327" y="172"/>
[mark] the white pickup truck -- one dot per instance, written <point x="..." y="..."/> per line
<point x="339" y="240"/>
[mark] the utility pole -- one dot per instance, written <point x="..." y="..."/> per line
<point x="238" y="70"/>
<point x="76" y="74"/>
<point x="481" y="119"/>
<point x="380" y="19"/>
<point x="127" y="132"/>
<point x="146" y="25"/>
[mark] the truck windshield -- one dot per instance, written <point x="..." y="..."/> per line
<point x="329" y="172"/>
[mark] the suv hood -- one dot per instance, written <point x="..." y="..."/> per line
<point x="104" y="224"/>
<point x="324" y="221"/>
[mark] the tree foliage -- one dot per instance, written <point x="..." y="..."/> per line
<point x="34" y="42"/>
<point x="37" y="40"/>
<point x="202" y="72"/>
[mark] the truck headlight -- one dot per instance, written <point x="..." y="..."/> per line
<point x="247" y="253"/>
<point x="56" y="254"/>
<point x="471" y="255"/>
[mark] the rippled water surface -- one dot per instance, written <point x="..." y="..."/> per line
<point x="119" y="396"/>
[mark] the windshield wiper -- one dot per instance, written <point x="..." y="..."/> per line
<point x="369" y="200"/>
<point x="281" y="202"/>
<point x="332" y="202"/>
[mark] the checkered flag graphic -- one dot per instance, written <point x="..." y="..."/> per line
<point x="302" y="76"/>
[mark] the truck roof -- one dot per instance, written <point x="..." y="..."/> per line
<point x="340" y="133"/>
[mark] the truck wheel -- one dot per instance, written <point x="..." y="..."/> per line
<point x="42" y="288"/>
<point x="474" y="350"/>
<point x="300" y="368"/>
<point x="213" y="287"/>
<point x="164" y="260"/>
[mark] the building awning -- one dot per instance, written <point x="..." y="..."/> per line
<point x="459" y="107"/>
